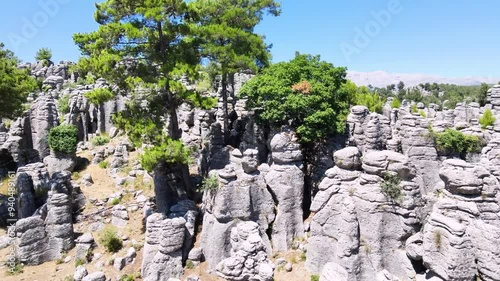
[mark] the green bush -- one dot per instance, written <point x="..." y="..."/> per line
<point x="452" y="142"/>
<point x="210" y="183"/>
<point x="395" y="103"/>
<point x="99" y="96"/>
<point x="189" y="264"/>
<point x="413" y="108"/>
<point x="103" y="164"/>
<point x="127" y="277"/>
<point x="390" y="187"/>
<point x="371" y="100"/>
<point x="168" y="152"/>
<point x="100" y="140"/>
<point x="422" y="113"/>
<point x="110" y="240"/>
<point x="79" y="262"/>
<point x="43" y="54"/>
<point x="18" y="268"/>
<point x="315" y="277"/>
<point x="63" y="139"/>
<point x="115" y="201"/>
<point x="63" y="104"/>
<point x="487" y="119"/>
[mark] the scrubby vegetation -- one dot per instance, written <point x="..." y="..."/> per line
<point x="372" y="101"/>
<point x="99" y="96"/>
<point x="44" y="55"/>
<point x="100" y="140"/>
<point x="103" y="164"/>
<point x="396" y="103"/>
<point x="110" y="240"/>
<point x="391" y="186"/>
<point x="453" y="142"/>
<point x="63" y="139"/>
<point x="487" y="119"/>
<point x="210" y="183"/>
<point x="169" y="152"/>
<point x="63" y="104"/>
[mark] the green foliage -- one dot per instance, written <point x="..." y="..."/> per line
<point x="167" y="152"/>
<point x="63" y="139"/>
<point x="43" y="54"/>
<point x="487" y="119"/>
<point x="79" y="262"/>
<point x="189" y="264"/>
<point x="422" y="113"/>
<point x="390" y="187"/>
<point x="18" y="268"/>
<point x="452" y="142"/>
<point x="413" y="108"/>
<point x="315" y="277"/>
<point x="103" y="164"/>
<point x="99" y="96"/>
<point x="15" y="84"/>
<point x="371" y="100"/>
<point x="127" y="277"/>
<point x="316" y="113"/>
<point x="110" y="240"/>
<point x="63" y="104"/>
<point x="100" y="140"/>
<point x="69" y="278"/>
<point x="115" y="201"/>
<point x="210" y="183"/>
<point x="395" y="103"/>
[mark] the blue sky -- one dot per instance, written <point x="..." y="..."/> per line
<point x="441" y="37"/>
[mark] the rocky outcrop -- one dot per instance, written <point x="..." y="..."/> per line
<point x="462" y="232"/>
<point x="358" y="229"/>
<point x="286" y="182"/>
<point x="248" y="260"/>
<point x="43" y="116"/>
<point x="368" y="131"/>
<point x="238" y="196"/>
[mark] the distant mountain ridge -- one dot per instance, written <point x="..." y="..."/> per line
<point x="381" y="78"/>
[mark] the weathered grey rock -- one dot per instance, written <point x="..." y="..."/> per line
<point x="59" y="225"/>
<point x="96" y="276"/>
<point x="43" y="116"/>
<point x="80" y="273"/>
<point x="31" y="240"/>
<point x="348" y="158"/>
<point x="162" y="254"/>
<point x="26" y="196"/>
<point x="57" y="162"/>
<point x="248" y="260"/>
<point x="84" y="244"/>
<point x="333" y="272"/>
<point x="195" y="254"/>
<point x="119" y="216"/>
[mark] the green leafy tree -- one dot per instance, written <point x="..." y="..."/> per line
<point x="453" y="142"/>
<point x="144" y="47"/>
<point x="44" y="55"/>
<point x="487" y="119"/>
<point x="99" y="96"/>
<point x="226" y="30"/>
<point x="372" y="101"/>
<point x="306" y="93"/>
<point x="15" y="84"/>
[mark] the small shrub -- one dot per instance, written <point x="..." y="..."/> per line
<point x="63" y="104"/>
<point x="395" y="103"/>
<point x="115" y="201"/>
<point x="413" y="108"/>
<point x="422" y="113"/>
<point x="390" y="187"/>
<point x="18" y="268"/>
<point x="63" y="139"/>
<point x="43" y="54"/>
<point x="487" y="119"/>
<point x="315" y="277"/>
<point x="210" y="183"/>
<point x="79" y="262"/>
<point x="303" y="256"/>
<point x="452" y="141"/>
<point x="189" y="264"/>
<point x="99" y="96"/>
<point x="103" y="164"/>
<point x="110" y="240"/>
<point x="127" y="277"/>
<point x="100" y="140"/>
<point x="76" y="176"/>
